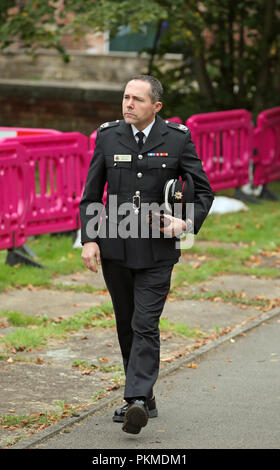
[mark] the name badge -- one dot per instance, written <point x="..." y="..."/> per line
<point x="122" y="158"/>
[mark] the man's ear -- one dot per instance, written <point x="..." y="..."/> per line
<point x="157" y="106"/>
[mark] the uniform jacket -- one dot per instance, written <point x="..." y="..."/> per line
<point x="118" y="161"/>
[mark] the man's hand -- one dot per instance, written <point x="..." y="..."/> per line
<point x="91" y="256"/>
<point x="167" y="224"/>
<point x="173" y="227"/>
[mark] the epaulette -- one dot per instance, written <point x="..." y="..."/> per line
<point x="179" y="127"/>
<point x="106" y="125"/>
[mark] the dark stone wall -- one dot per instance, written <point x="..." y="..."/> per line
<point x="57" y="105"/>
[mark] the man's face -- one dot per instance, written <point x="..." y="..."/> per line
<point x="137" y="105"/>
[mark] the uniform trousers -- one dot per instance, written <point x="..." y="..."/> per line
<point x="138" y="297"/>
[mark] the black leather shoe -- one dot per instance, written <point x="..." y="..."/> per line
<point x="120" y="412"/>
<point x="136" y="416"/>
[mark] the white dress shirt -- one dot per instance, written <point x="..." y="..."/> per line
<point x="146" y="131"/>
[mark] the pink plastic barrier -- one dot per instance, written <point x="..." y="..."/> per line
<point x="175" y="119"/>
<point x="6" y="132"/>
<point x="60" y="163"/>
<point x="92" y="139"/>
<point x="14" y="196"/>
<point x="267" y="147"/>
<point x="223" y="141"/>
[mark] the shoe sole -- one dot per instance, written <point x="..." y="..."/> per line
<point x="135" y="419"/>
<point x="120" y="419"/>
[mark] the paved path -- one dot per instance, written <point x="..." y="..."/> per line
<point x="230" y="401"/>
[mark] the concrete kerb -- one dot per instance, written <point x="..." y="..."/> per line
<point x="110" y="401"/>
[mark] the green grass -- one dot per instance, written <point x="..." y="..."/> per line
<point x="37" y="419"/>
<point x="252" y="232"/>
<point x="55" y="253"/>
<point x="259" y="226"/>
<point x="24" y="338"/>
<point x="183" y="329"/>
<point x="16" y="318"/>
<point x="43" y="328"/>
<point x="227" y="297"/>
<point x="74" y="288"/>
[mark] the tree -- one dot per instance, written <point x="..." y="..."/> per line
<point x="230" y="48"/>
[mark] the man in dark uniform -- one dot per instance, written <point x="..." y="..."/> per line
<point x="136" y="156"/>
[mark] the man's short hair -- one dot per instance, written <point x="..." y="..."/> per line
<point x="156" y="91"/>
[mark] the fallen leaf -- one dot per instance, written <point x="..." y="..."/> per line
<point x="192" y="365"/>
<point x="114" y="387"/>
<point x="196" y="265"/>
<point x="57" y="319"/>
<point x="168" y="359"/>
<point x="43" y="426"/>
<point x="86" y="372"/>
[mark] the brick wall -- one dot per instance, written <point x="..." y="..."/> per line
<point x="57" y="106"/>
<point x="43" y="91"/>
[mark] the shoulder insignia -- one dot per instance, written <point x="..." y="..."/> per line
<point x="106" y="125"/>
<point x="179" y="127"/>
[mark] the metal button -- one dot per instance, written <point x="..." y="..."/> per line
<point x="115" y="164"/>
<point x="139" y="175"/>
<point x="140" y="157"/>
<point x="163" y="165"/>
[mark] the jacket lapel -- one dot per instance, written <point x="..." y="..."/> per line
<point x="126" y="137"/>
<point x="155" y="138"/>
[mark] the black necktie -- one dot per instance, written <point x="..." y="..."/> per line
<point x="140" y="135"/>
